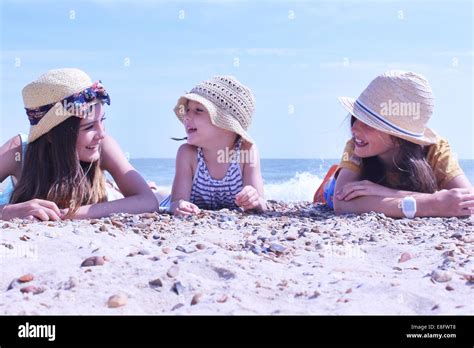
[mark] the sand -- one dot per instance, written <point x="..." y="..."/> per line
<point x="294" y="259"/>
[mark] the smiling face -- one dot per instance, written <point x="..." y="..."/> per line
<point x="369" y="142"/>
<point x="91" y="133"/>
<point x="198" y="126"/>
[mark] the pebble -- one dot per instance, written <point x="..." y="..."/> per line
<point x="200" y="246"/>
<point x="468" y="239"/>
<point x="278" y="248"/>
<point x="32" y="289"/>
<point x="441" y="276"/>
<point x="457" y="235"/>
<point x="404" y="257"/>
<point x="118" y="223"/>
<point x="166" y="250"/>
<point x="196" y="299"/>
<point x="173" y="271"/>
<point x="178" y="288"/>
<point x="115" y="301"/>
<point x="315" y="294"/>
<point x="224" y="273"/>
<point x="449" y="287"/>
<point x="156" y="283"/>
<point x="373" y="238"/>
<point x="144" y="252"/>
<point x="177" y="306"/>
<point x="24" y="238"/>
<point x="223" y="299"/>
<point x="93" y="261"/>
<point x="188" y="249"/>
<point x="26" y="278"/>
<point x="291" y="235"/>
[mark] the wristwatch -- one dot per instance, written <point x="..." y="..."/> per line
<point x="409" y="207"/>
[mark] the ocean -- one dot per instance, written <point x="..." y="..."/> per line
<point x="287" y="180"/>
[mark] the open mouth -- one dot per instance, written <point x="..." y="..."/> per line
<point x="191" y="130"/>
<point x="359" y="142"/>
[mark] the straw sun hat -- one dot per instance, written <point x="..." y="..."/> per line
<point x="397" y="102"/>
<point x="44" y="98"/>
<point x="229" y="103"/>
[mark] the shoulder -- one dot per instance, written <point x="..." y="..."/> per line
<point x="439" y="149"/>
<point x="11" y="157"/>
<point x="186" y="151"/>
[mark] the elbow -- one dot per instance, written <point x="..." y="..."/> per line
<point x="150" y="202"/>
<point x="339" y="208"/>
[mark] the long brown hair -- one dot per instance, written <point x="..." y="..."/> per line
<point x="51" y="170"/>
<point x="414" y="172"/>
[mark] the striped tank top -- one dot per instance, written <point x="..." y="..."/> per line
<point x="212" y="194"/>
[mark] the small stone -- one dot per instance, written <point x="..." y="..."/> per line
<point x="173" y="271"/>
<point x="144" y="252"/>
<point x="118" y="223"/>
<point x="178" y="288"/>
<point x="32" y="289"/>
<point x="278" y="248"/>
<point x="449" y="287"/>
<point x="26" y="278"/>
<point x="223" y="299"/>
<point x="404" y="257"/>
<point x="103" y="228"/>
<point x="166" y="250"/>
<point x="93" y="261"/>
<point x="441" y="276"/>
<point x="156" y="283"/>
<point x="24" y="238"/>
<point x="149" y="216"/>
<point x="117" y="301"/>
<point x="188" y="249"/>
<point x="141" y="225"/>
<point x="439" y="247"/>
<point x="196" y="298"/>
<point x="468" y="239"/>
<point x="457" y="235"/>
<point x="316" y="294"/>
<point x="177" y="306"/>
<point x="469" y="278"/>
<point x="224" y="273"/>
<point x="200" y="246"/>
<point x="291" y="235"/>
<point x="373" y="238"/>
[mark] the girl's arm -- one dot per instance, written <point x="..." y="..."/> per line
<point x="138" y="196"/>
<point x="453" y="202"/>
<point x="183" y="181"/>
<point x="252" y="195"/>
<point x="10" y="165"/>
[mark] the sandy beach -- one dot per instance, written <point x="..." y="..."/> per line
<point x="294" y="259"/>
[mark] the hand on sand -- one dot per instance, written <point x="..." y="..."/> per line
<point x="33" y="209"/>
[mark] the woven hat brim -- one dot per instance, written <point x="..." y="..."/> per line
<point x="56" y="115"/>
<point x="429" y="136"/>
<point x="216" y="115"/>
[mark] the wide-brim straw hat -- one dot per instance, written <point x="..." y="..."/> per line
<point x="230" y="104"/>
<point x="399" y="103"/>
<point x="52" y="87"/>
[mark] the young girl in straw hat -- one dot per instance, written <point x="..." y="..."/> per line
<point x="59" y="170"/>
<point x="219" y="167"/>
<point x="394" y="164"/>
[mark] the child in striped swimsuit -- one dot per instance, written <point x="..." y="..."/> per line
<point x="219" y="167"/>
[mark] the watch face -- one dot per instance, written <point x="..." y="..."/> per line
<point x="409" y="205"/>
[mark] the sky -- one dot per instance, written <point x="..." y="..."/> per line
<point x="296" y="56"/>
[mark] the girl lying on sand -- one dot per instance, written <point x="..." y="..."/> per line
<point x="394" y="164"/>
<point x="219" y="167"/>
<point x="59" y="170"/>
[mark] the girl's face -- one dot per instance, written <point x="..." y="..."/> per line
<point x="371" y="142"/>
<point x="91" y="133"/>
<point x="198" y="125"/>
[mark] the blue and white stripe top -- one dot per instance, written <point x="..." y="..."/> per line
<point x="212" y="194"/>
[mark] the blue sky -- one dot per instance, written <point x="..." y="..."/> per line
<point x="296" y="56"/>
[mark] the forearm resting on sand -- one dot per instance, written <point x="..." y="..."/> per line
<point x="390" y="206"/>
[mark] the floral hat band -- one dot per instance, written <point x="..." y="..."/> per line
<point x="77" y="104"/>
